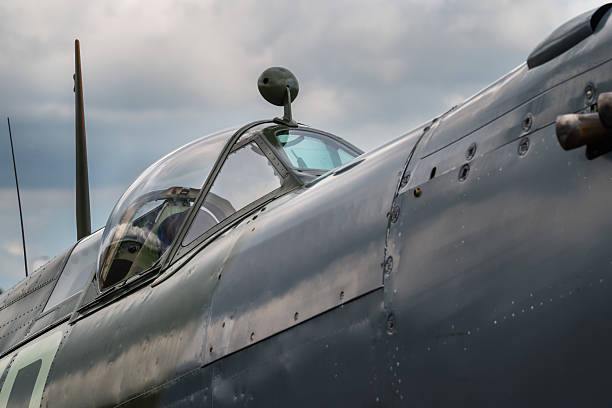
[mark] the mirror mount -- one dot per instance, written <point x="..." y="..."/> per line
<point x="287" y="117"/>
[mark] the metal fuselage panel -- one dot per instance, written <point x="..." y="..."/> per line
<point x="21" y="305"/>
<point x="133" y="344"/>
<point x="501" y="285"/>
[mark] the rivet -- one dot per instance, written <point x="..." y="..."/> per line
<point x="341" y="295"/>
<point x="589" y="93"/>
<point x="471" y="152"/>
<point x="390" y="323"/>
<point x="523" y="146"/>
<point x="417" y="192"/>
<point x="296" y="316"/>
<point x="463" y="172"/>
<point x="388" y="265"/>
<point x="252" y="336"/>
<point x="394" y="214"/>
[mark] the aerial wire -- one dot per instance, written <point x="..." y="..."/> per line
<point x="25" y="257"/>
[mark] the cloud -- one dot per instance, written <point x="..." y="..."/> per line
<point x="13" y="248"/>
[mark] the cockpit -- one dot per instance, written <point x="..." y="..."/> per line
<point x="200" y="189"/>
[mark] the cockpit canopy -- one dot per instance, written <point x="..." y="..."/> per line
<point x="144" y="220"/>
<point x="263" y="162"/>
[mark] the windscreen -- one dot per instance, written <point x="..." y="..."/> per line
<point x="147" y="217"/>
<point x="309" y="150"/>
<point x="78" y="269"/>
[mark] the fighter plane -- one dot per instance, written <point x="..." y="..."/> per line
<point x="276" y="265"/>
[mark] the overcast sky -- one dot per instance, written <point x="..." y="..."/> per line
<point x="157" y="74"/>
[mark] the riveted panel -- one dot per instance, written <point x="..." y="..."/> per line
<point x="502" y="281"/>
<point x="307" y="253"/>
<point x="332" y="360"/>
<point x="21" y="305"/>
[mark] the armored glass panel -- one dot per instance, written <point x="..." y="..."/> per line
<point x="345" y="156"/>
<point x="78" y="269"/>
<point x="147" y="217"/>
<point x="245" y="176"/>
<point x="306" y="150"/>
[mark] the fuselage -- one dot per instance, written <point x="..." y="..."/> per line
<point x="464" y="263"/>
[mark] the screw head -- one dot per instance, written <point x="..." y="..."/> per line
<point x="463" y="172"/>
<point x="523" y="146"/>
<point x="527" y="122"/>
<point x="471" y="152"/>
<point x="394" y="215"/>
<point x="389" y="265"/>
<point x="590" y="94"/>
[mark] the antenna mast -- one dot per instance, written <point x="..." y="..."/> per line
<point x="83" y="217"/>
<point x="25" y="257"/>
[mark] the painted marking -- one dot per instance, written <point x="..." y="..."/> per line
<point x="43" y="350"/>
<point x="4" y="362"/>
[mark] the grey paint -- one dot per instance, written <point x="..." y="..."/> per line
<point x="566" y="36"/>
<point x="500" y="284"/>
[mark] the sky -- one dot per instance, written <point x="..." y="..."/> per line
<point x="157" y="74"/>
